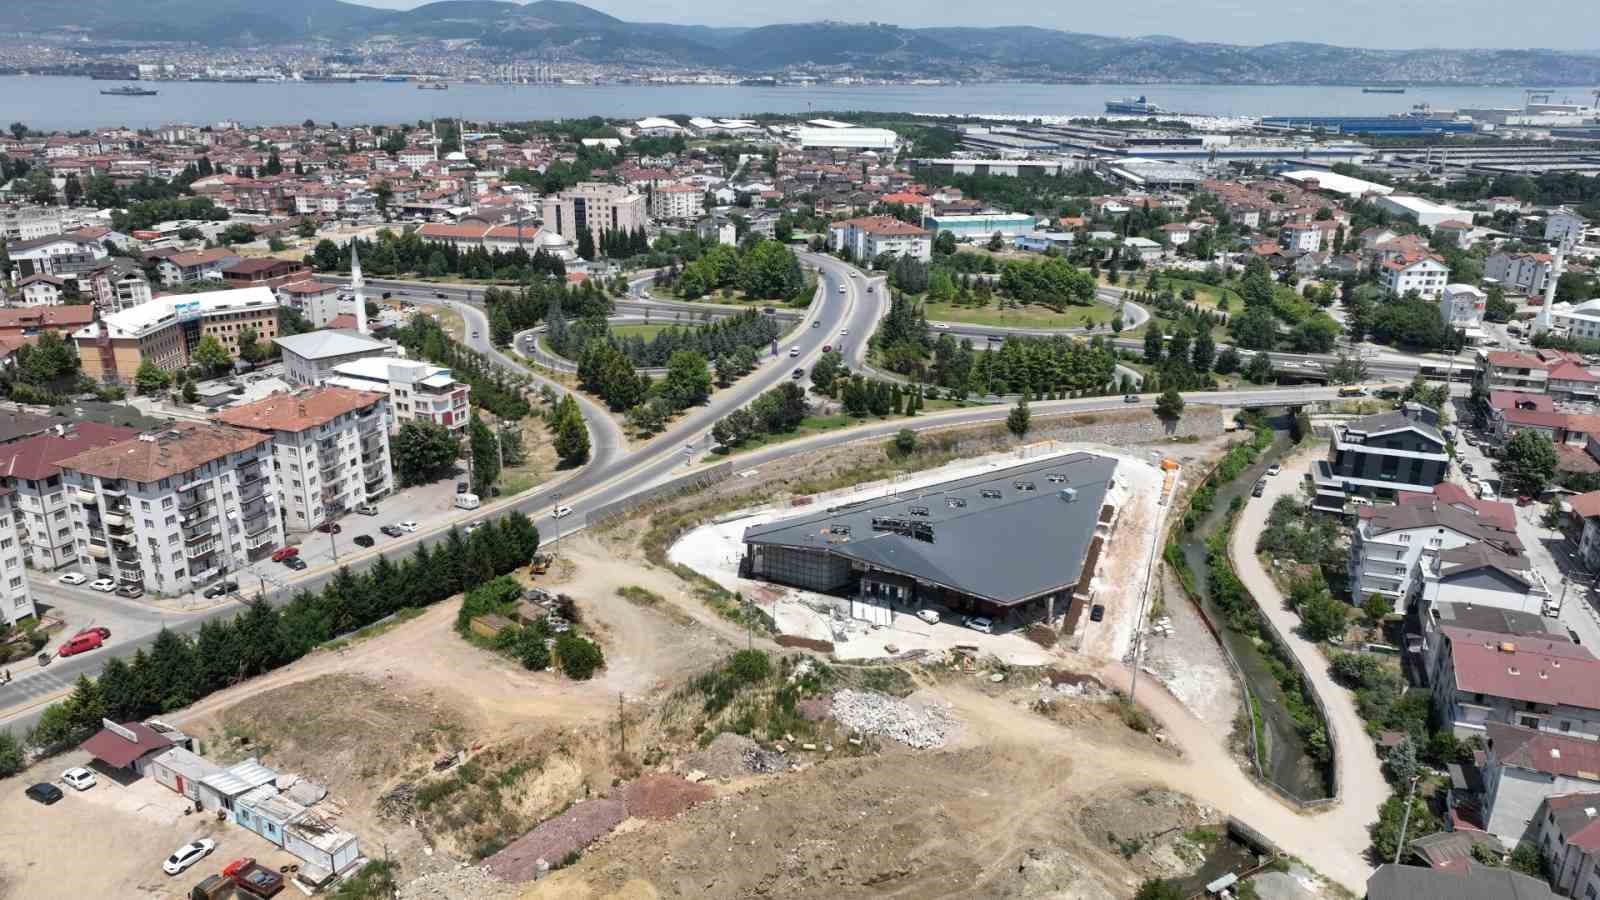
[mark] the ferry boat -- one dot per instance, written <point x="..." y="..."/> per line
<point x="1133" y="105"/>
<point x="129" y="90"/>
<point x="1372" y="90"/>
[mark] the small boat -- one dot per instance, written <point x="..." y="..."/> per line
<point x="129" y="90"/>
<point x="1133" y="105"/>
<point x="1373" y="90"/>
<point x="433" y="86"/>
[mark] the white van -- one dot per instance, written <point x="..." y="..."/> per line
<point x="468" y="501"/>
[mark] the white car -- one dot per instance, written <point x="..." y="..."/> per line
<point x="73" y="578"/>
<point x="563" y="511"/>
<point x="979" y="623"/>
<point x="408" y="525"/>
<point x="187" y="855"/>
<point x="941" y="326"/>
<point x="931" y="616"/>
<point x="844" y="332"/>
<point x="78" y="778"/>
<point x="103" y="585"/>
<point x="1274" y="469"/>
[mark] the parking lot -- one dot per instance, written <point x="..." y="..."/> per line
<point x="110" y="840"/>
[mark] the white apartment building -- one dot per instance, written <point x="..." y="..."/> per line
<point x="869" y="236"/>
<point x="417" y="391"/>
<point x="1426" y="276"/>
<point x="1389" y="543"/>
<point x="1523" y="273"/>
<point x="1462" y="305"/>
<point x="595" y="206"/>
<point x="1305" y="237"/>
<point x="29" y="223"/>
<point x="1564" y="225"/>
<point x="39" y="499"/>
<point x="330" y="448"/>
<point x="308" y="359"/>
<point x="16" y="600"/>
<point x="174" y="509"/>
<point x="677" y="202"/>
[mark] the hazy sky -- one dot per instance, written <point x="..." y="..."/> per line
<point x="1562" y="24"/>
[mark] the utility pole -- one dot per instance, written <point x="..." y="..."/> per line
<point x="1405" y="820"/>
<point x="556" y="552"/>
<point x="622" y="725"/>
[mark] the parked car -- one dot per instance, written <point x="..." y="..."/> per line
<point x="363" y="540"/>
<point x="1130" y="398"/>
<point x="131" y="591"/>
<point x="257" y="881"/>
<point x="221" y="589"/>
<point x="213" y="887"/>
<point x="104" y="632"/>
<point x="296" y="564"/>
<point x="367" y="509"/>
<point x="391" y="531"/>
<point x="461" y="487"/>
<point x="408" y="525"/>
<point x="103" y="585"/>
<point x="283" y="553"/>
<point x="73" y="578"/>
<point x="1274" y="469"/>
<point x="329" y="528"/>
<point x="44" y="793"/>
<point x="979" y="623"/>
<point x="187" y="855"/>
<point x="563" y="511"/>
<point x="80" y="643"/>
<point x="472" y="526"/>
<point x="1097" y="612"/>
<point x="78" y="778"/>
<point x="1260" y="488"/>
<point x="931" y="616"/>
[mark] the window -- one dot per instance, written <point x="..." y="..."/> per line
<point x="1565" y="725"/>
<point x="166" y="503"/>
<point x="177" y="557"/>
<point x="16" y="582"/>
<point x="144" y="505"/>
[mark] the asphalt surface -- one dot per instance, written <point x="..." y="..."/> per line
<point x="614" y="471"/>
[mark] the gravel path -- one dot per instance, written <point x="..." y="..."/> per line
<point x="555" y="839"/>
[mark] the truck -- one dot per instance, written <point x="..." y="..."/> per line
<point x="214" y="887"/>
<point x="253" y="880"/>
<point x="468" y="501"/>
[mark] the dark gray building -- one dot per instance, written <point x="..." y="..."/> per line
<point x="1015" y="545"/>
<point x="1380" y="455"/>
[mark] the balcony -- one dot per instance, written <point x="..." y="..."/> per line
<point x="125" y="536"/>
<point x="131" y="576"/>
<point x="126" y="554"/>
<point x="253" y="507"/>
<point x="115" y="521"/>
<point x="113" y="489"/>
<point x="98" y="551"/>
<point x="258" y="524"/>
<point x="251" y="475"/>
<point x="253" y="490"/>
<point x="257" y="541"/>
<point x="85" y="496"/>
<point x="188" y="500"/>
<point x="204" y="530"/>
<point x="195" y="551"/>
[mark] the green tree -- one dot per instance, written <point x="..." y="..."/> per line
<point x="1154" y="343"/>
<point x="423" y="452"/>
<point x="1530" y="461"/>
<point x="1260" y="370"/>
<point x="1019" y="419"/>
<point x="151" y="378"/>
<point x="485" y="450"/>
<point x="1158" y="889"/>
<point x="571" y="434"/>
<point x="1169" y="406"/>
<point x="250" y="348"/>
<point x="1376" y="608"/>
<point x="585" y="244"/>
<point x="211" y="356"/>
<point x="382" y="195"/>
<point x="1348" y="370"/>
<point x="826" y="371"/>
<point x="905" y="442"/>
<point x="11" y="756"/>
<point x="190" y="393"/>
<point x="1386" y="837"/>
<point x="1401" y="762"/>
<point x="688" y="381"/>
<point x="579" y="658"/>
<point x="1205" y="350"/>
<point x="1323" y="618"/>
<point x="1227" y="361"/>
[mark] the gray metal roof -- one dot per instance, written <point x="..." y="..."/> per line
<point x="1393" y="882"/>
<point x="329" y="342"/>
<point x="1009" y="548"/>
<point x="240" y="777"/>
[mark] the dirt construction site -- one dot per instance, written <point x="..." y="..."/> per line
<point x="704" y="759"/>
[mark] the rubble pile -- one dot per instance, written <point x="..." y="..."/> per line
<point x="466" y="882"/>
<point x="764" y="761"/>
<point x="922" y="727"/>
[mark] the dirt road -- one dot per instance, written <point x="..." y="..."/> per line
<point x="1343" y="827"/>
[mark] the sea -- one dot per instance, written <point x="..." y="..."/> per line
<point x="64" y="103"/>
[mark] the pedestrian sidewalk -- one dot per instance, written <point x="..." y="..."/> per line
<point x="1362" y="788"/>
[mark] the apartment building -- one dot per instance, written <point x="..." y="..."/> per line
<point x="29" y="223"/>
<point x="1569" y="840"/>
<point x="1390" y="545"/>
<point x="42" y="509"/>
<point x="16" y="598"/>
<point x="1542" y="683"/>
<point x="677" y="202"/>
<point x="167" y="331"/>
<point x="869" y="236"/>
<point x="1462" y="306"/>
<point x="1301" y="237"/>
<point x="1522" y="273"/>
<point x="199" y="265"/>
<point x="59" y="255"/>
<point x="1564" y="225"/>
<point x="417" y="391"/>
<point x="317" y="301"/>
<point x="595" y="206"/>
<point x="1503" y="370"/>
<point x="309" y="359"/>
<point x="1425" y="275"/>
<point x="330" y="448"/>
<point x="1380" y="455"/>
<point x="174" y="509"/>
<point x="1524" y="767"/>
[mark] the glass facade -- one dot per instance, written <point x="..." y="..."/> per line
<point x="816" y="570"/>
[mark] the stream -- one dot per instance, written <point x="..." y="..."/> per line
<point x="1283" y="759"/>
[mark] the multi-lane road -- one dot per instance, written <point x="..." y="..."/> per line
<point x="615" y="469"/>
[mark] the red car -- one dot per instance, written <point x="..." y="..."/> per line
<point x="80" y="643"/>
<point x="104" y="632"/>
<point x="283" y="553"/>
<point x="1524" y="500"/>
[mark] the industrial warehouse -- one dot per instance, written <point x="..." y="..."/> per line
<point x="1015" y="545"/>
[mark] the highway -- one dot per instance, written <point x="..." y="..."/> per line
<point x="616" y="470"/>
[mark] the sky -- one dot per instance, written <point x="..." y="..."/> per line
<point x="1388" y="24"/>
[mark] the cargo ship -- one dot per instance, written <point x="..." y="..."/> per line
<point x="1133" y="106"/>
<point x="129" y="90"/>
<point x="1370" y="90"/>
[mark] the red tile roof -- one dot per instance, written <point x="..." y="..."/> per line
<point x="1514" y="360"/>
<point x="1571" y="371"/>
<point x="118" y="752"/>
<point x="173" y="450"/>
<point x="1586" y="505"/>
<point x="1541" y="751"/>
<point x="1534" y="670"/>
<point x="36" y="457"/>
<point x="298" y="411"/>
<point x="1588" y="836"/>
<point x="887" y="225"/>
<point x="1500" y="515"/>
<point x="46" y="317"/>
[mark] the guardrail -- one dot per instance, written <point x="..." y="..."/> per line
<point x="683" y="484"/>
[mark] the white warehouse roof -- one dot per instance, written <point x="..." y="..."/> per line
<point x="1339" y="184"/>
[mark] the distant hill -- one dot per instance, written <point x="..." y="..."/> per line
<point x="576" y="32"/>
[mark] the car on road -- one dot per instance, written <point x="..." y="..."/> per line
<point x="794" y="351"/>
<point x="869" y="288"/>
<point x="329" y="528"/>
<point x="1260" y="487"/>
<point x="798" y="373"/>
<point x="1466" y="468"/>
<point x="816" y="324"/>
<point x="391" y="531"/>
<point x="931" y="616"/>
<point x="367" y="509"/>
<point x="941" y="326"/>
<point x="979" y="623"/>
<point x="1274" y="469"/>
<point x="461" y="487"/>
<point x="563" y="511"/>
<point x="474" y="334"/>
<point x="283" y="553"/>
<point x="439" y="294"/>
<point x="187" y="855"/>
<point x="221" y="589"/>
<point x="73" y="578"/>
<point x="841" y="288"/>
<point x="131" y="591"/>
<point x="1130" y="398"/>
<point x="363" y="540"/>
<point x="769" y="310"/>
<point x="78" y="778"/>
<point x="844" y="332"/>
<point x="296" y="564"/>
<point x="103" y="585"/>
<point x="82" y="642"/>
<point x="407" y="525"/>
<point x="1097" y="612"/>
<point x="44" y="793"/>
<point x="827" y="348"/>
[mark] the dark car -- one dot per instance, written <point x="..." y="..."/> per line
<point x="1097" y="612"/>
<point x="364" y="540"/>
<point x="296" y="563"/>
<point x="329" y="528"/>
<point x="43" y="793"/>
<point x="439" y="294"/>
<point x="221" y="589"/>
<point x="391" y="531"/>
<point x="461" y="487"/>
<point x="827" y="348"/>
<point x="1260" y="488"/>
<point x="799" y="373"/>
<point x="386" y="295"/>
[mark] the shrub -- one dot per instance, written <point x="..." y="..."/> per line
<point x="750" y="666"/>
<point x="579" y="658"/>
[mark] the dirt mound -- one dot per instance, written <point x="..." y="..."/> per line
<point x="794" y="640"/>
<point x="723" y="757"/>
<point x="554" y="840"/>
<point x="662" y="796"/>
<point x="815" y="709"/>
